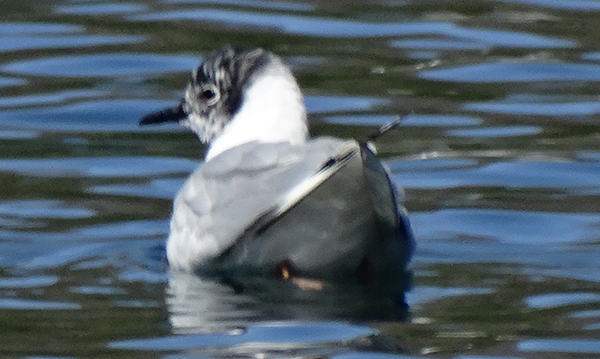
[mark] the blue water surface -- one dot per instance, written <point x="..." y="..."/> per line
<point x="497" y="153"/>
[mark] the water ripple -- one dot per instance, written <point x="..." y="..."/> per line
<point x="94" y="289"/>
<point x="43" y="209"/>
<point x="28" y="282"/>
<point x="49" y="98"/>
<point x="100" y="9"/>
<point x="21" y="28"/>
<point x="11" y="81"/>
<point x="408" y="120"/>
<point x="508" y="226"/>
<point x="536" y="109"/>
<point x="376" y="355"/>
<point x="496" y="132"/>
<point x="103" y="65"/>
<point x="163" y="188"/>
<point x="114" y="253"/>
<point x="589" y="346"/>
<point x="479" y="39"/>
<point x="328" y="27"/>
<point x="425" y="294"/>
<point x="582" y="5"/>
<point x="90" y="116"/>
<point x="259" y="4"/>
<point x="554" y="300"/>
<point x="518" y="174"/>
<point x="323" y="104"/>
<point x="283" y="335"/>
<point x="98" y="166"/>
<point x="57" y="42"/>
<point x="515" y="72"/>
<point x="436" y="44"/>
<point x="594" y="56"/>
<point x="17" y="135"/>
<point x="24" y="304"/>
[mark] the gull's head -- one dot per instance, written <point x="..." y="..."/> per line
<point x="237" y="96"/>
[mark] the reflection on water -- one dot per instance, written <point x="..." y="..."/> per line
<point x="262" y="337"/>
<point x="22" y="304"/>
<point x="9" y="81"/>
<point x="512" y="174"/>
<point x="498" y="152"/>
<point x="30" y="43"/>
<point x="93" y="116"/>
<point x="562" y="109"/>
<point x="97" y="166"/>
<point x="31" y="36"/>
<point x="515" y="72"/>
<point x="102" y="65"/>
<point x="327" y="27"/>
<point x="275" y="5"/>
<point x="266" y="315"/>
<point x="583" y="5"/>
<point x="561" y="346"/>
<point x="496" y="132"/>
<point x="557" y="300"/>
<point x="100" y="9"/>
<point x="207" y="305"/>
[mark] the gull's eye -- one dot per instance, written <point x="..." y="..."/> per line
<point x="210" y="95"/>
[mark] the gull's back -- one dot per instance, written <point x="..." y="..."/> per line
<point x="323" y="208"/>
<point x="227" y="194"/>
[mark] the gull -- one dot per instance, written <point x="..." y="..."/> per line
<point x="268" y="199"/>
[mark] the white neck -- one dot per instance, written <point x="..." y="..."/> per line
<point x="272" y="111"/>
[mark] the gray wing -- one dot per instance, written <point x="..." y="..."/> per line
<point x="227" y="194"/>
<point x="345" y="213"/>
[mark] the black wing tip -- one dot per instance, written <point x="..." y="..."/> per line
<point x="382" y="130"/>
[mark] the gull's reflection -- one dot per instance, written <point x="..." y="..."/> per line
<point x="209" y="304"/>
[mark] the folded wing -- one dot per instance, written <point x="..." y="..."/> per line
<point x="324" y="207"/>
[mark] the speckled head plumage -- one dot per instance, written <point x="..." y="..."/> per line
<point x="237" y="96"/>
<point x="215" y="91"/>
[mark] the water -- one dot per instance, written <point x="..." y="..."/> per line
<point x="498" y="153"/>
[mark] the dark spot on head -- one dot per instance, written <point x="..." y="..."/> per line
<point x="208" y="94"/>
<point x="230" y="70"/>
